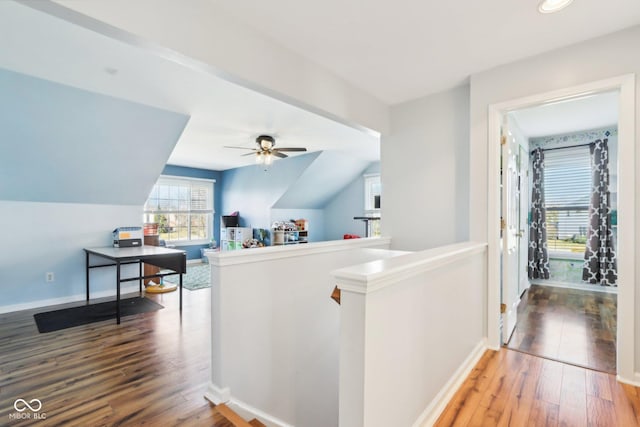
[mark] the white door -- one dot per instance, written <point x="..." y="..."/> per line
<point x="510" y="234"/>
<point x="523" y="239"/>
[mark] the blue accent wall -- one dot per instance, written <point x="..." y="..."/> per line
<point x="74" y="165"/>
<point x="253" y="191"/>
<point x="339" y="212"/>
<point x="62" y="144"/>
<point x="193" y="251"/>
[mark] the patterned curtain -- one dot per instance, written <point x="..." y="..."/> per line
<point x="600" y="264"/>
<point x="538" y="267"/>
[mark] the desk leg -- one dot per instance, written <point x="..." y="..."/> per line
<point x="140" y="276"/>
<point x="87" y="267"/>
<point x="118" y="291"/>
<point x="180" y="291"/>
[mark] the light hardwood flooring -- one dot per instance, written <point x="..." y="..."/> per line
<point x="511" y="388"/>
<point x="570" y="325"/>
<point x="152" y="369"/>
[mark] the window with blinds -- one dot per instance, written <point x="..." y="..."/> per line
<point x="182" y="208"/>
<point x="567" y="191"/>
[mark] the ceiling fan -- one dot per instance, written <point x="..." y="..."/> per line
<point x="265" y="151"/>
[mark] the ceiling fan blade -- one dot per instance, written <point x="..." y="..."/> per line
<point x="249" y="154"/>
<point x="240" y="148"/>
<point x="290" y="149"/>
<point x="277" y="154"/>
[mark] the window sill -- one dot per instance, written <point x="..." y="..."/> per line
<point x="566" y="255"/>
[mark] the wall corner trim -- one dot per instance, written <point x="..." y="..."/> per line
<point x="217" y="395"/>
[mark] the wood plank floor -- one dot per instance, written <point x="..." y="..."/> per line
<point x="511" y="388"/>
<point x="152" y="369"/>
<point x="569" y="325"/>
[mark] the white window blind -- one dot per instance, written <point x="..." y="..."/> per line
<point x="182" y="208"/>
<point x="567" y="192"/>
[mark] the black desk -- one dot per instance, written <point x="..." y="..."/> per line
<point x="169" y="259"/>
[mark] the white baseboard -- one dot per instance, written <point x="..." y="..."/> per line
<point x="64" y="300"/>
<point x="248" y="412"/>
<point x="634" y="382"/>
<point x="431" y="413"/>
<point x="217" y="395"/>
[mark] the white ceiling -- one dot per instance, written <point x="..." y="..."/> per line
<point x="222" y="113"/>
<point x="590" y="112"/>
<point x="396" y="51"/>
<point x="404" y="49"/>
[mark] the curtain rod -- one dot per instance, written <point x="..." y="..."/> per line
<point x="564" y="148"/>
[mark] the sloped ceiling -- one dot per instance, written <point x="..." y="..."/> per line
<point x="330" y="172"/>
<point x="62" y="144"/>
<point x="100" y="59"/>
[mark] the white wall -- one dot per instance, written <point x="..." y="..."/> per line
<point x="425" y="166"/>
<point x="275" y="330"/>
<point x="204" y="32"/>
<point x="597" y="59"/>
<point x="411" y="328"/>
<point x="49" y="237"/>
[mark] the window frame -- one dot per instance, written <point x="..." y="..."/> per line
<point x="371" y="179"/>
<point x="168" y="179"/>
<point x="562" y="253"/>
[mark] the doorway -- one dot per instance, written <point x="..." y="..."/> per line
<point x="625" y="338"/>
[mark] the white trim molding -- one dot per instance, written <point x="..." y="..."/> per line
<point x="270" y="253"/>
<point x="217" y="395"/>
<point x="635" y="382"/>
<point x="248" y="412"/>
<point x="376" y="275"/>
<point x="128" y="289"/>
<point x="626" y="86"/>
<point x="431" y="413"/>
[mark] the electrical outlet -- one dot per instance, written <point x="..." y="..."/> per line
<point x="49" y="277"/>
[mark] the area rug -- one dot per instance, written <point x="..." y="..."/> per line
<point x="198" y="277"/>
<point x="76" y="316"/>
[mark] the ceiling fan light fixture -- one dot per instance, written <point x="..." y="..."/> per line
<point x="551" y="6"/>
<point x="266" y="142"/>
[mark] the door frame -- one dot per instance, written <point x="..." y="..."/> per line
<point x="625" y="85"/>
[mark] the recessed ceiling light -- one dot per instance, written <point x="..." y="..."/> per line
<point x="550" y="6"/>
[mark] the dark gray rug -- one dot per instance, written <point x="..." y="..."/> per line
<point x="51" y="321"/>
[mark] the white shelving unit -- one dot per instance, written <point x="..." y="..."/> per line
<point x="231" y="238"/>
<point x="281" y="237"/>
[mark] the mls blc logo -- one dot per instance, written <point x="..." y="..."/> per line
<point x="27" y="410"/>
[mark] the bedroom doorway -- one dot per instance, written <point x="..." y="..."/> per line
<point x="565" y="311"/>
<point x="625" y="87"/>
